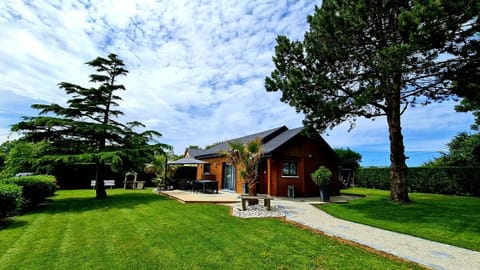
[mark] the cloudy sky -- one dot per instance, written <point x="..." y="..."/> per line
<point x="196" y="70"/>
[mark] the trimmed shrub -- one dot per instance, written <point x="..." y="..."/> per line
<point x="321" y="176"/>
<point x="35" y="188"/>
<point x="432" y="180"/>
<point x="10" y="200"/>
<point x="442" y="180"/>
<point x="378" y="178"/>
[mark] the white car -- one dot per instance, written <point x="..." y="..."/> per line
<point x="24" y="174"/>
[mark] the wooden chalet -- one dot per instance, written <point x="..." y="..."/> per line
<point x="288" y="160"/>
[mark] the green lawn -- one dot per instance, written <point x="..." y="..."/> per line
<point x="140" y="230"/>
<point x="453" y="220"/>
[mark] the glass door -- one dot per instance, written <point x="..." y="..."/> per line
<point x="228" y="177"/>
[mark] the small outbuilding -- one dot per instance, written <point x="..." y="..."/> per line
<point x="288" y="160"/>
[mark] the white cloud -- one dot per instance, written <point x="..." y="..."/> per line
<point x="424" y="129"/>
<point x="197" y="68"/>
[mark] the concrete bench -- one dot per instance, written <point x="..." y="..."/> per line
<point x="106" y="183"/>
<point x="266" y="201"/>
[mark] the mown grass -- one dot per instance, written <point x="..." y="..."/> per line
<point x="452" y="220"/>
<point x="140" y="230"/>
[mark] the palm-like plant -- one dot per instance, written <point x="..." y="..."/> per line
<point x="157" y="166"/>
<point x="246" y="156"/>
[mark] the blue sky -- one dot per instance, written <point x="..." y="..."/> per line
<point x="196" y="70"/>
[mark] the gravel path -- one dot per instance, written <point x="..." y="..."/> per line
<point x="427" y="253"/>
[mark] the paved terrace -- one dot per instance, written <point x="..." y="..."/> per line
<point x="196" y="197"/>
<point x="228" y="197"/>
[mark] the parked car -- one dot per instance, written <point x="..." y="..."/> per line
<point x="24" y="174"/>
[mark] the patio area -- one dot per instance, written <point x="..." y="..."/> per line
<point x="186" y="196"/>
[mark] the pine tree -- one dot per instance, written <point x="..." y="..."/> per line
<point x="87" y="130"/>
<point x="374" y="58"/>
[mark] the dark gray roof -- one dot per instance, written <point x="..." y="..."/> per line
<point x="266" y="136"/>
<point x="286" y="136"/>
<point x="185" y="161"/>
<point x="194" y="152"/>
<point x="279" y="140"/>
<point x="272" y="140"/>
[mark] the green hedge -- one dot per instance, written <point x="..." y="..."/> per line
<point x="442" y="180"/>
<point x="35" y="188"/>
<point x="373" y="178"/>
<point x="10" y="200"/>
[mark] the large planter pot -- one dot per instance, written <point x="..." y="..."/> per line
<point x="325" y="193"/>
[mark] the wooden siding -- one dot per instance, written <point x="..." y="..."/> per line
<point x="216" y="172"/>
<point x="215" y="169"/>
<point x="309" y="155"/>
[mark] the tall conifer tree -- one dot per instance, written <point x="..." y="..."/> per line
<point x="373" y="58"/>
<point x="87" y="130"/>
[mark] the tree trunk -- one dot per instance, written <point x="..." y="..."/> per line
<point x="101" y="193"/>
<point x="398" y="167"/>
<point x="252" y="191"/>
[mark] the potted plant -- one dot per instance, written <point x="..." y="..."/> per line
<point x="321" y="177"/>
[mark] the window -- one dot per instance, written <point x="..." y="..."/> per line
<point x="206" y="168"/>
<point x="289" y="168"/>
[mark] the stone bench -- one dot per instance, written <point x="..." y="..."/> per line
<point x="266" y="201"/>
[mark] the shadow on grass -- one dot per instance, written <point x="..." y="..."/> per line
<point x="115" y="201"/>
<point x="56" y="205"/>
<point x="11" y="224"/>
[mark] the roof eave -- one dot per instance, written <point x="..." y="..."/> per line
<point x="267" y="155"/>
<point x="208" y="156"/>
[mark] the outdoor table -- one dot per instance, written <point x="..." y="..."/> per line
<point x="209" y="185"/>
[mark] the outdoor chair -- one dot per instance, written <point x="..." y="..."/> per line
<point x="196" y="186"/>
<point x="183" y="184"/>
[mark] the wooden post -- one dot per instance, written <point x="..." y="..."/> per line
<point x="269" y="177"/>
<point x="244" y="207"/>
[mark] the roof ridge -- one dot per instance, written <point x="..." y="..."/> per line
<point x="266" y="135"/>
<point x="268" y="131"/>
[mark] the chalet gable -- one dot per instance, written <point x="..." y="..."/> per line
<point x="192" y="152"/>
<point x="272" y="139"/>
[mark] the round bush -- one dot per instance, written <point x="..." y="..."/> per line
<point x="10" y="200"/>
<point x="35" y="188"/>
